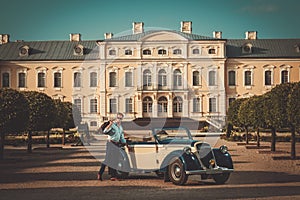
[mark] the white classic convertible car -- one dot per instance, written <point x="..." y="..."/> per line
<point x="172" y="153"/>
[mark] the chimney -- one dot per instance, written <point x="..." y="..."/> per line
<point x="4" y="38"/>
<point x="75" y="37"/>
<point x="108" y="35"/>
<point x="186" y="27"/>
<point x="217" y="34"/>
<point x="251" y="35"/>
<point x="137" y="27"/>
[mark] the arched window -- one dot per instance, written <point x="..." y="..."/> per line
<point x="112" y="52"/>
<point x="231" y="78"/>
<point x="212" y="78"/>
<point x="147" y="52"/>
<point x="93" y="79"/>
<point x="196" y="51"/>
<point x="77" y="79"/>
<point x="147" y="78"/>
<point x="162" y="105"/>
<point x="177" y="78"/>
<point x="41" y="79"/>
<point x="162" y="78"/>
<point x="268" y="77"/>
<point x="177" y="104"/>
<point x="147" y="105"/>
<point x="162" y="52"/>
<point x="196" y="78"/>
<point x="112" y="79"/>
<point x="128" y="52"/>
<point x="284" y="76"/>
<point x="57" y="79"/>
<point x="212" y="51"/>
<point x="177" y="51"/>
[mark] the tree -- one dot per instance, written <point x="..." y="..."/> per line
<point x="41" y="114"/>
<point x="14" y="114"/>
<point x="243" y="117"/>
<point x="232" y="113"/>
<point x="293" y="110"/>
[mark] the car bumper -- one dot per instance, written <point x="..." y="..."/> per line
<point x="217" y="170"/>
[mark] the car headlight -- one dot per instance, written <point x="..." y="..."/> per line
<point x="224" y="149"/>
<point x="187" y="150"/>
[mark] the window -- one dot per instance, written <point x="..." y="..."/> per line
<point x="5" y="79"/>
<point x="177" y="78"/>
<point x="196" y="51"/>
<point x="177" y="51"/>
<point x="93" y="105"/>
<point x="212" y="78"/>
<point x="212" y="51"/>
<point x="162" y="52"/>
<point x="177" y="104"/>
<point x="128" y="106"/>
<point x="147" y="78"/>
<point x="112" y="52"/>
<point x="112" y="79"/>
<point x="41" y="79"/>
<point x="248" y="78"/>
<point x="196" y="78"/>
<point x="284" y="76"/>
<point x="212" y="105"/>
<point x="162" y="105"/>
<point x="22" y="80"/>
<point x="147" y="52"/>
<point x="196" y="104"/>
<point x="57" y="79"/>
<point x="128" y="52"/>
<point x="128" y="79"/>
<point x="77" y="79"/>
<point x="147" y="105"/>
<point x="113" y="105"/>
<point x="93" y="79"/>
<point x="231" y="78"/>
<point x="268" y="77"/>
<point x="77" y="103"/>
<point x="93" y="123"/>
<point x="231" y="100"/>
<point x="162" y="78"/>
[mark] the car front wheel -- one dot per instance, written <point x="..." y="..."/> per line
<point x="221" y="178"/>
<point x="177" y="173"/>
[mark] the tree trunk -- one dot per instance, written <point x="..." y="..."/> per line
<point x="273" y="139"/>
<point x="258" y="137"/>
<point x="2" y="140"/>
<point x="29" y="144"/>
<point x="293" y="143"/>
<point x="63" y="137"/>
<point x="247" y="139"/>
<point x="48" y="139"/>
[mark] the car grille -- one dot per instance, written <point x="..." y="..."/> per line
<point x="205" y="153"/>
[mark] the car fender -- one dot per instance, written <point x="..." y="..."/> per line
<point x="223" y="159"/>
<point x="169" y="158"/>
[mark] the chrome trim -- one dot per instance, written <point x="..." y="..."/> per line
<point x="217" y="170"/>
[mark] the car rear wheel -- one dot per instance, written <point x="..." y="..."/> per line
<point x="177" y="173"/>
<point x="221" y="178"/>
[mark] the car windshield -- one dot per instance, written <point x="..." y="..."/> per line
<point x="171" y="133"/>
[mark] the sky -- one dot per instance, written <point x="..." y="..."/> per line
<point x="36" y="20"/>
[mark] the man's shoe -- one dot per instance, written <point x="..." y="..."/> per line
<point x="99" y="177"/>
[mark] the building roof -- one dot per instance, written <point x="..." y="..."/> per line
<point x="263" y="48"/>
<point x="48" y="50"/>
<point x="139" y="36"/>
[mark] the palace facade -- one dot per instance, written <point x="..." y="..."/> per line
<point x="150" y="74"/>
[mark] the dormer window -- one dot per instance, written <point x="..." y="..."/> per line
<point x="177" y="51"/>
<point x="162" y="52"/>
<point x="78" y="50"/>
<point x="147" y="52"/>
<point x="128" y="52"/>
<point x="247" y="48"/>
<point x="24" y="50"/>
<point x="297" y="48"/>
<point x="212" y="51"/>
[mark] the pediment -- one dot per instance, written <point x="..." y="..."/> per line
<point x="164" y="36"/>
